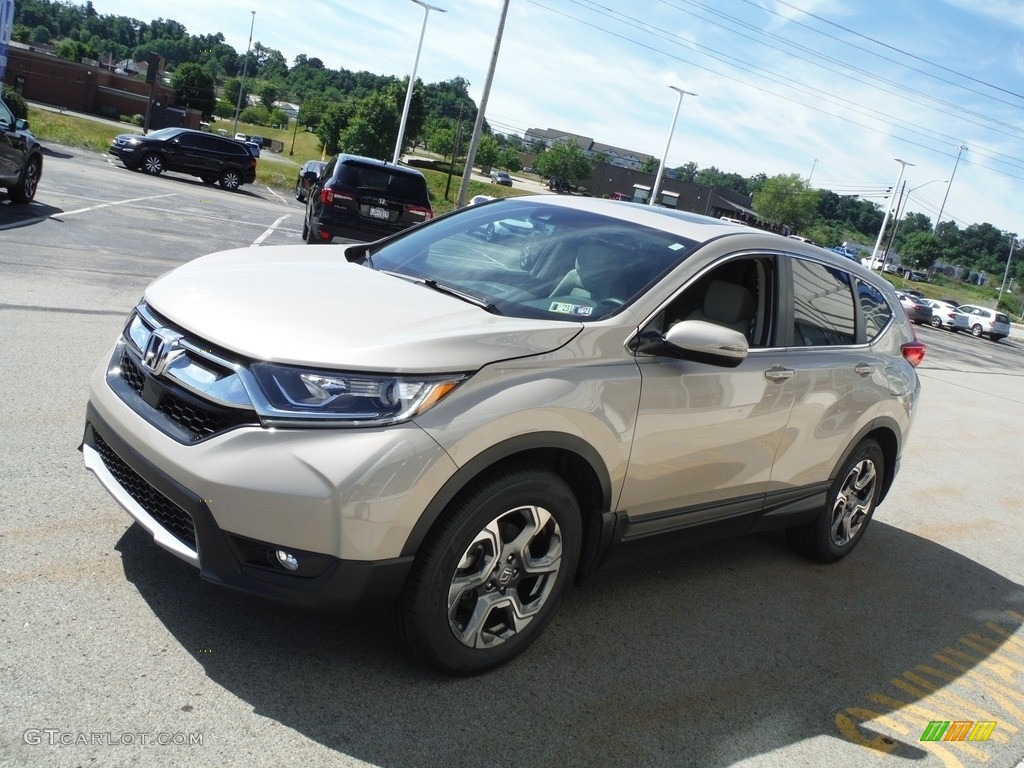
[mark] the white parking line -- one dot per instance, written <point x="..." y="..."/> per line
<point x="58" y="214"/>
<point x="256" y="243"/>
<point x="274" y="193"/>
<point x="108" y="205"/>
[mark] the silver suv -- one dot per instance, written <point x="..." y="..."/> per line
<point x="456" y="428"/>
<point x="985" y="321"/>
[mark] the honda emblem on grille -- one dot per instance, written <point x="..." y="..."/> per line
<point x="162" y="347"/>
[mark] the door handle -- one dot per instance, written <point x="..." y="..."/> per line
<point x="863" y="369"/>
<point x="778" y="373"/>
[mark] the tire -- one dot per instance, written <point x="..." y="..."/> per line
<point x="976" y="331"/>
<point x="936" y="322"/>
<point x="994" y="336"/>
<point x="231" y="179"/>
<point x="209" y="179"/>
<point x="848" y="509"/>
<point x="24" y="191"/>
<point x="493" y="572"/>
<point x="311" y="233"/>
<point x="153" y="164"/>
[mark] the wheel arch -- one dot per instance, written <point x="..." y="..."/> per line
<point x="568" y="456"/>
<point x="886" y="432"/>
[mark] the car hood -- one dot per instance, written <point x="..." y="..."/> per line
<point x="306" y="305"/>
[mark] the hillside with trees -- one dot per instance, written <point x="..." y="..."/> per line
<point x="360" y="112"/>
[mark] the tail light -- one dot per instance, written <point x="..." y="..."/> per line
<point x="913" y="352"/>
<point x="327" y="195"/>
<point x="419" y="210"/>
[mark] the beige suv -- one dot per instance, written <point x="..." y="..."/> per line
<point x="456" y="428"/>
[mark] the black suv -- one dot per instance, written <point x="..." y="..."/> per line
<point x="21" y="157"/>
<point x="211" y="157"/>
<point x="362" y="198"/>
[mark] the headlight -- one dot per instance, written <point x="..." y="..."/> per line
<point x="346" y="399"/>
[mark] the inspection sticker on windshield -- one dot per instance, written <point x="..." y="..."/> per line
<point x="570" y="309"/>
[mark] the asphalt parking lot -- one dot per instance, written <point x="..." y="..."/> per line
<point x="115" y="653"/>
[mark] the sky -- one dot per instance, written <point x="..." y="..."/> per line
<point x="835" y="91"/>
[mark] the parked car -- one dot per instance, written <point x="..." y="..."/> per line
<point x="946" y="315"/>
<point x="308" y="173"/>
<point x="254" y="149"/>
<point x="241" y="137"/>
<point x="918" y="277"/>
<point x="21" y="157"/>
<point x="984" y="321"/>
<point x="917" y="310"/>
<point x="362" y="198"/>
<point x="420" y="424"/>
<point x="502" y="178"/>
<point x="211" y="157"/>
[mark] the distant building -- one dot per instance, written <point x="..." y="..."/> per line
<point x="617" y="156"/>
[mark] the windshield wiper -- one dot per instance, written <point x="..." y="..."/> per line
<point x="465" y="296"/>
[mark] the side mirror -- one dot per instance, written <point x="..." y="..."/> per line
<point x="699" y="341"/>
<point x="310" y="176"/>
<point x="21" y="124"/>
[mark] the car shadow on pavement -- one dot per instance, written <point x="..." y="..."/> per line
<point x="54" y="153"/>
<point x="704" y="658"/>
<point x="14" y="216"/>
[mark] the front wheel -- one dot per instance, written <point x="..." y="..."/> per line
<point x="490" y="577"/>
<point x="25" y="190"/>
<point x="848" y="509"/>
<point x="153" y="164"/>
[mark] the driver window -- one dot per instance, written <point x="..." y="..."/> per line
<point x="739" y="294"/>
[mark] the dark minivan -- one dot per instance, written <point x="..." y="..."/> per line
<point x="211" y="157"/>
<point x="365" y="199"/>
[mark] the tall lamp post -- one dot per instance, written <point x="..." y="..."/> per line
<point x="245" y="68"/>
<point x="811" y="174"/>
<point x="959" y="151"/>
<point x="412" y="78"/>
<point x="668" y="142"/>
<point x="888" y="208"/>
<point x="900" y="208"/>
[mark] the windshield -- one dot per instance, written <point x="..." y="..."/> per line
<point x="164" y="133"/>
<point x="525" y="258"/>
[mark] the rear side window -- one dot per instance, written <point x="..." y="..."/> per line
<point x="874" y="308"/>
<point x="823" y="308"/>
<point x="384" y="181"/>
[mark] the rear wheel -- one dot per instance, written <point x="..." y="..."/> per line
<point x="231" y="179"/>
<point x="25" y="190"/>
<point x="936" y="321"/>
<point x="492" y="574"/>
<point x="850" y="504"/>
<point x="976" y="331"/>
<point x="153" y="164"/>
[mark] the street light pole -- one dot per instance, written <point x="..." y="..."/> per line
<point x="811" y="174"/>
<point x="885" y="219"/>
<point x="1006" y="273"/>
<point x="668" y="142"/>
<point x="245" y="68"/>
<point x="959" y="151"/>
<point x="412" y="78"/>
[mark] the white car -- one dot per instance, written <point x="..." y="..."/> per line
<point x="241" y="137"/>
<point x="984" y="321"/>
<point x="946" y="315"/>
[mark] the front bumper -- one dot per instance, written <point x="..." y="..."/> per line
<point x="182" y="523"/>
<point x="341" y="502"/>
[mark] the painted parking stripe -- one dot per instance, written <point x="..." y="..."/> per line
<point x="256" y="243"/>
<point x="57" y="216"/>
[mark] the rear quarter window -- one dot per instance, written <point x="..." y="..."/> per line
<point x="823" y="308"/>
<point x="874" y="308"/>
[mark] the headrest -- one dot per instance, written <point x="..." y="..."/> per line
<point x="728" y="302"/>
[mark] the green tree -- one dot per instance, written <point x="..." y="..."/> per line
<point x="920" y="250"/>
<point x="269" y="92"/>
<point x="372" y="129"/>
<point x="786" y="200"/>
<point x="333" y="121"/>
<point x="194" y="88"/>
<point x="509" y="160"/>
<point x="687" y="172"/>
<point x="565" y="160"/>
<point x="487" y="151"/>
<point x="650" y="164"/>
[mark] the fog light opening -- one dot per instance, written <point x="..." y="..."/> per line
<point x="287" y="560"/>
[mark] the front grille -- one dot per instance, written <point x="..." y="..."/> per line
<point x="131" y="374"/>
<point x="172" y="517"/>
<point x="201" y="420"/>
<point x="197" y="417"/>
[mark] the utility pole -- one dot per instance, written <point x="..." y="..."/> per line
<point x="467" y="174"/>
